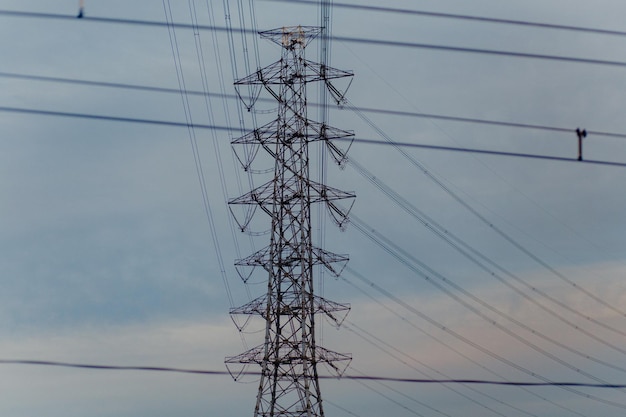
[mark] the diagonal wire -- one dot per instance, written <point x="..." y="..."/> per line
<point x="418" y="165"/>
<point x="472" y="254"/>
<point x="447" y="345"/>
<point x="475" y="345"/>
<point x="369" y="338"/>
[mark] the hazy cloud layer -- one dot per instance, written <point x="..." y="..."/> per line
<point x="107" y="253"/>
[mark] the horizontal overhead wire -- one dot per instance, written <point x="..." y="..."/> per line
<point x="116" y="118"/>
<point x="389" y="112"/>
<point x="455" y="16"/>
<point x="367" y="41"/>
<point x="235" y="129"/>
<point x="348" y="377"/>
<point x="441" y="342"/>
<point x="487" y="152"/>
<point x="497" y="356"/>
<point x="486" y="122"/>
<point x="429" y="275"/>
<point x="420" y="167"/>
<point x="151" y="88"/>
<point x="387" y="349"/>
<point x="389" y="43"/>
<point x="484" y="262"/>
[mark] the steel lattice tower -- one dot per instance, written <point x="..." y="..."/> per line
<point x="289" y="357"/>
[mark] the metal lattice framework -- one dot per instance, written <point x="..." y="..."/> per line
<point x="289" y="356"/>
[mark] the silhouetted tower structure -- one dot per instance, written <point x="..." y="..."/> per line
<point x="289" y="356"/>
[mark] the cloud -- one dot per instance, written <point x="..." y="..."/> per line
<point x="75" y="392"/>
<point x="400" y="329"/>
<point x="106" y="253"/>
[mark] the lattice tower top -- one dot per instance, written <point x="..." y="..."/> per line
<point x="291" y="37"/>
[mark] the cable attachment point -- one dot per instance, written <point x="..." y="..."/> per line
<point x="581" y="134"/>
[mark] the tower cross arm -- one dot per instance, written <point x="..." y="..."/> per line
<point x="273" y="74"/>
<point x="325" y="193"/>
<point x="324" y="72"/>
<point x="290" y="37"/>
<point x="268" y="75"/>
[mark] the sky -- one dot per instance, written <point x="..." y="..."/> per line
<point x="462" y="265"/>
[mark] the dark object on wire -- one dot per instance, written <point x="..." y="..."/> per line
<point x="581" y="134"/>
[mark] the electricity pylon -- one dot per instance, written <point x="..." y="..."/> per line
<point x="289" y="356"/>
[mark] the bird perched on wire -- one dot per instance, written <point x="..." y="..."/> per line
<point x="81" y="8"/>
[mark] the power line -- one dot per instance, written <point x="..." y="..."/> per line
<point x="466" y="150"/>
<point x="234" y="129"/>
<point x="464" y="17"/>
<point x="348" y="377"/>
<point x="488" y="152"/>
<point x="486" y="122"/>
<point x="428" y="274"/>
<point x="398" y="392"/>
<point x="380" y="344"/>
<point x="196" y="156"/>
<point x="475" y="345"/>
<point x="327" y="401"/>
<point x="363" y="109"/>
<point x="439" y="340"/>
<point x="116" y="118"/>
<point x="484" y="220"/>
<point x="448" y="48"/>
<point x="479" y="259"/>
<point x="378" y="42"/>
<point x="153" y="23"/>
<point x="31" y="77"/>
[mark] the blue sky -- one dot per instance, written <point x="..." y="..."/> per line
<point x="107" y="256"/>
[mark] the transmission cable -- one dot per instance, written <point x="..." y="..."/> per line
<point x="387" y="397"/>
<point x="428" y="274"/>
<point x="324" y="45"/>
<point x="249" y="155"/>
<point x="408" y="397"/>
<point x="230" y="32"/>
<point x="223" y="95"/>
<point x="346" y="377"/>
<point x="235" y="129"/>
<point x="363" y="41"/>
<point x="369" y="338"/>
<point x="482" y="218"/>
<point x="442" y="342"/>
<point x="475" y="345"/>
<point x="483" y="151"/>
<point x="197" y="159"/>
<point x="327" y="401"/>
<point x="483" y="163"/>
<point x="471" y="253"/>
<point x="445" y="234"/>
<point x="217" y="152"/>
<point x="463" y="17"/>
